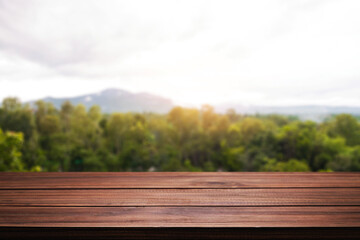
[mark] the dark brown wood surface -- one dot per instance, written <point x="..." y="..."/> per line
<point x="182" y="197"/>
<point x="164" y="205"/>
<point x="225" y="180"/>
<point x="180" y="216"/>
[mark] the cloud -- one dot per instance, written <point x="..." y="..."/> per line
<point x="190" y="51"/>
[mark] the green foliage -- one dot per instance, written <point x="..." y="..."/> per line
<point x="292" y="165"/>
<point x="74" y="138"/>
<point x="14" y="117"/>
<point x="10" y="155"/>
<point x="347" y="127"/>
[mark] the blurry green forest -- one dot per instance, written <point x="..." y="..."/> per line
<point x="73" y="138"/>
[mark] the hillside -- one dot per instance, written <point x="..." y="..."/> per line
<point x="117" y="100"/>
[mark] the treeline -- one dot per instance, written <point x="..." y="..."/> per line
<point x="43" y="138"/>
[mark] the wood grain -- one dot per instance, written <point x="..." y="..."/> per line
<point x="339" y="216"/>
<point x="221" y="180"/>
<point x="182" y="197"/>
<point x="179" y="205"/>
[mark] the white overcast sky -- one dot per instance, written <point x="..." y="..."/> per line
<point x="251" y="52"/>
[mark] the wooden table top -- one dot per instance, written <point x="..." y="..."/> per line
<point x="239" y="202"/>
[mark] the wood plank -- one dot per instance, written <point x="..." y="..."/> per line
<point x="318" y="216"/>
<point x="55" y="233"/>
<point x="217" y="180"/>
<point x="182" y="197"/>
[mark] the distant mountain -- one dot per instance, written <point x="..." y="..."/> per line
<point x="304" y="112"/>
<point x="117" y="100"/>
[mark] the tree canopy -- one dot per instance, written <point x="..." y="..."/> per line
<point x="73" y="138"/>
